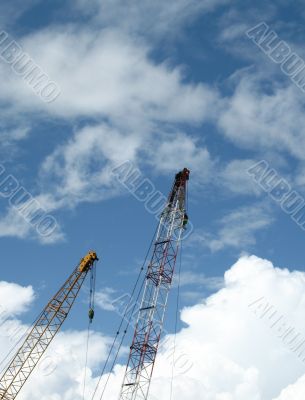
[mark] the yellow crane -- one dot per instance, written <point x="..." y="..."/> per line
<point x="44" y="330"/>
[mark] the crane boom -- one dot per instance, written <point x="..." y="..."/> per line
<point x="159" y="276"/>
<point x="44" y="330"/>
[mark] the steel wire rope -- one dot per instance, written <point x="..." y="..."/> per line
<point x="124" y="317"/>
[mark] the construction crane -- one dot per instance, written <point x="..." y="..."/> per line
<point x="159" y="278"/>
<point x="44" y="330"/>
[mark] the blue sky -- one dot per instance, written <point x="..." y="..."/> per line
<point x="166" y="85"/>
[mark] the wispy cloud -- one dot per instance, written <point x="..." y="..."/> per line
<point x="237" y="229"/>
<point x="192" y="278"/>
<point x="105" y="298"/>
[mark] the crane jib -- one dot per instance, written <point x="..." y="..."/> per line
<point x="44" y="330"/>
<point x="159" y="278"/>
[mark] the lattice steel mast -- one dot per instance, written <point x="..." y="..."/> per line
<point x="159" y="279"/>
<point x="44" y="330"/>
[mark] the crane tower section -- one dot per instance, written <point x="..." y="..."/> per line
<point x="159" y="277"/>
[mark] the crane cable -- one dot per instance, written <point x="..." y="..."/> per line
<point x="124" y="317"/>
<point x="116" y="337"/>
<point x="27" y="332"/>
<point x="177" y="307"/>
<point x="122" y="339"/>
<point x="176" y="324"/>
<point x="91" y="316"/>
<point x="132" y="312"/>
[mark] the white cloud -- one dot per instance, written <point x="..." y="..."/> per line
<point x="235" y="355"/>
<point x="233" y="31"/>
<point x="148" y="18"/>
<point x="14" y="223"/>
<point x="235" y="179"/>
<point x="11" y="10"/>
<point x="14" y="299"/>
<point x="261" y="119"/>
<point x="60" y="375"/>
<point x="107" y="77"/>
<point x="169" y="154"/>
<point x="105" y="299"/>
<point x="81" y="169"/>
<point x="7" y="136"/>
<point x="238" y="229"/>
<point x="194" y="278"/>
<point x="225" y="351"/>
<point x="105" y="74"/>
<point x="294" y="391"/>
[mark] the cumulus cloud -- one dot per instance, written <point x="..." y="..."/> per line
<point x="15" y="299"/>
<point x="63" y="366"/>
<point x="60" y="375"/>
<point x="235" y="354"/>
<point x="226" y="350"/>
<point x="294" y="391"/>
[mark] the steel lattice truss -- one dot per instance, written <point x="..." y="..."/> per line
<point x="159" y="278"/>
<point x="44" y="330"/>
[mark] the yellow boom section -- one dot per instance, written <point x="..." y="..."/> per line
<point x="44" y="330"/>
<point x="87" y="261"/>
